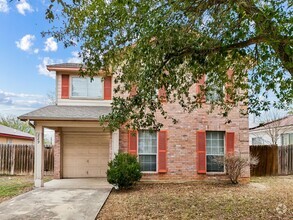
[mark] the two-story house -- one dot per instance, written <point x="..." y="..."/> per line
<point x="185" y="150"/>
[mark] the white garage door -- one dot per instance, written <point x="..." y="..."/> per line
<point x="86" y="153"/>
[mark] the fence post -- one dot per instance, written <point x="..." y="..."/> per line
<point x="12" y="159"/>
<point x="286" y="159"/>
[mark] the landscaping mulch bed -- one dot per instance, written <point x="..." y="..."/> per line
<point x="262" y="198"/>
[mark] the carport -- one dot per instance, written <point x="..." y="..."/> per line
<point x="82" y="147"/>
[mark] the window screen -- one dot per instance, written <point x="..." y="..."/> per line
<point x="147" y="150"/>
<point x="215" y="151"/>
<point x="84" y="87"/>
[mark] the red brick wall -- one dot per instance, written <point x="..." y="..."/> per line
<point x="57" y="156"/>
<point x="181" y="151"/>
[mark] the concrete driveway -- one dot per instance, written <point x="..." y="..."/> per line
<point x="59" y="199"/>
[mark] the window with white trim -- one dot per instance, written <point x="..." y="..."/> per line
<point x="215" y="92"/>
<point x="9" y="141"/>
<point x="86" y="87"/>
<point x="257" y="141"/>
<point x="287" y="139"/>
<point x="147" y="150"/>
<point x="215" y="151"/>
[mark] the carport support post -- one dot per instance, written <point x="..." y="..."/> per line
<point x="39" y="156"/>
<point x="115" y="143"/>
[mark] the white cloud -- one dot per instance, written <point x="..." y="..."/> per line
<point x="19" y="103"/>
<point x="75" y="58"/>
<point x="26" y="42"/>
<point x="23" y="6"/>
<point x="20" y="95"/>
<point x="42" y="68"/>
<point x="36" y="51"/>
<point x="4" y="6"/>
<point x="51" y="44"/>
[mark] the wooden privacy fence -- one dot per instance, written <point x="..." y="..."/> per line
<point x="268" y="160"/>
<point x="286" y="160"/>
<point x="273" y="160"/>
<point x="19" y="159"/>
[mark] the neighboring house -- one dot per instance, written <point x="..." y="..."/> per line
<point x="279" y="132"/>
<point x="178" y="151"/>
<point x="12" y="136"/>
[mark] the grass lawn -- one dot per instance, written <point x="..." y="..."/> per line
<point x="14" y="185"/>
<point x="262" y="198"/>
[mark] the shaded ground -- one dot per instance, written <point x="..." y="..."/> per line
<point x="263" y="198"/>
<point x="11" y="186"/>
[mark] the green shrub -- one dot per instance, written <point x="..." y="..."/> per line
<point x="123" y="171"/>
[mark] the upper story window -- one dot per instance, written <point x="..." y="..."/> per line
<point x="215" y="92"/>
<point x="87" y="87"/>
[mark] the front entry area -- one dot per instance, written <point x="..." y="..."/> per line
<point x="85" y="152"/>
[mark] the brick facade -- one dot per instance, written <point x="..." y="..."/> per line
<point x="181" y="144"/>
<point x="57" y="155"/>
<point x="181" y="139"/>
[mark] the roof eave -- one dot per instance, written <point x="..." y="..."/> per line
<point x="16" y="136"/>
<point x="68" y="69"/>
<point x="34" y="118"/>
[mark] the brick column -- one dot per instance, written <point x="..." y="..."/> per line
<point x="57" y="155"/>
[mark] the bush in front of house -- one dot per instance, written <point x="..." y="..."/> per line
<point x="124" y="171"/>
<point x="235" y="165"/>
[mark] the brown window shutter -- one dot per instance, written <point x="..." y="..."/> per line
<point x="201" y="83"/>
<point x="162" y="149"/>
<point x="201" y="151"/>
<point x="132" y="142"/>
<point x="108" y="88"/>
<point x="229" y="86"/>
<point x="65" y="86"/>
<point x="230" y="142"/>
<point x="162" y="94"/>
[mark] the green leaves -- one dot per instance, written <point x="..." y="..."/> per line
<point x="124" y="171"/>
<point x="14" y="122"/>
<point x="171" y="44"/>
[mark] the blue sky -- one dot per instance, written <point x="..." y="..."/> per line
<point x="24" y="53"/>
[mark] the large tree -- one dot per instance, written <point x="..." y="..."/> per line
<point x="13" y="122"/>
<point x="272" y="127"/>
<point x="171" y="44"/>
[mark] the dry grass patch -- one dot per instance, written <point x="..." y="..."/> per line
<point x="11" y="186"/>
<point x="263" y="198"/>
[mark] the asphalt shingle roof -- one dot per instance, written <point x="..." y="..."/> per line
<point x="57" y="112"/>
<point x="66" y="65"/>
<point x="282" y="122"/>
<point x="12" y="131"/>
